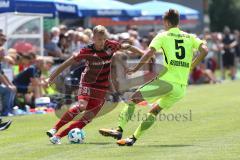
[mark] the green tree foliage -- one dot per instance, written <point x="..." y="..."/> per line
<point x="224" y="13"/>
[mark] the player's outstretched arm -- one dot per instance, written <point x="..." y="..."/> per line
<point x="63" y="66"/>
<point x="132" y="49"/>
<point x="145" y="58"/>
<point x="203" y="49"/>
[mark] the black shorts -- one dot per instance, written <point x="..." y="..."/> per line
<point x="228" y="59"/>
<point x="21" y="88"/>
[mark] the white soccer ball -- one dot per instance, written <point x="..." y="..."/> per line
<point x="76" y="135"/>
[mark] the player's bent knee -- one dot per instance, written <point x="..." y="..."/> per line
<point x="79" y="107"/>
<point x="82" y="104"/>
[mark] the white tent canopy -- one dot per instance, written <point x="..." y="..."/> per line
<point x="24" y="28"/>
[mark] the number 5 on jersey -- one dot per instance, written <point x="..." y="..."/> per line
<point x="180" y="50"/>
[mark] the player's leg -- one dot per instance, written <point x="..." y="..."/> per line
<point x="146" y="124"/>
<point x="146" y="93"/>
<point x="165" y="102"/>
<point x="143" y="94"/>
<point x="81" y="123"/>
<point x="128" y="110"/>
<point x="69" y="116"/>
<point x="124" y="117"/>
<point x="5" y="94"/>
<point x="233" y="70"/>
<point x="93" y="107"/>
<point x="83" y="98"/>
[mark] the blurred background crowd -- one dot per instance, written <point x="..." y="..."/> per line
<point x="23" y="69"/>
<point x="29" y="69"/>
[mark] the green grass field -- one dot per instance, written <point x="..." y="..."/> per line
<point x="213" y="133"/>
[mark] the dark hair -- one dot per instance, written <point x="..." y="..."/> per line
<point x="172" y="16"/>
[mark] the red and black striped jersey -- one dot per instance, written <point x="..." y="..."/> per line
<point x="98" y="64"/>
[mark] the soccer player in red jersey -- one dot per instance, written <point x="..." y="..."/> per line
<point x="94" y="82"/>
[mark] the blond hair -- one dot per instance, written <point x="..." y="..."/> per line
<point x="99" y="29"/>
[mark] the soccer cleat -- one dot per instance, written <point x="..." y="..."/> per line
<point x="50" y="133"/>
<point x="55" y="140"/>
<point x="127" y="141"/>
<point x="5" y="125"/>
<point x="111" y="133"/>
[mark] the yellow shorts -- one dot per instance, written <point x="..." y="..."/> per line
<point x="163" y="93"/>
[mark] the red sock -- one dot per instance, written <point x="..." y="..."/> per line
<point x="93" y="107"/>
<point x="87" y="118"/>
<point x="77" y="124"/>
<point x="67" y="117"/>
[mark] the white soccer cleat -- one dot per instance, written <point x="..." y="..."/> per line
<point x="50" y="133"/>
<point x="4" y="125"/>
<point x="55" y="140"/>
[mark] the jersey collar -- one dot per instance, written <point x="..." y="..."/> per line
<point x="175" y="29"/>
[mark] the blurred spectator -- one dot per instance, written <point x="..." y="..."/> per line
<point x="151" y="35"/>
<point x="144" y="44"/>
<point x="47" y="65"/>
<point x="80" y="29"/>
<point x="210" y="59"/>
<point x="88" y="32"/>
<point x="63" y="29"/>
<point x="201" y="75"/>
<point x="237" y="48"/>
<point x="55" y="33"/>
<point x="64" y="44"/>
<point x="12" y="56"/>
<point x="125" y="38"/>
<point x="29" y="83"/>
<point x="132" y="27"/>
<point x="134" y="38"/>
<point x="217" y="48"/>
<point x="82" y="41"/>
<point x="50" y="48"/>
<point x="72" y="39"/>
<point x="7" y="89"/>
<point x="61" y="42"/>
<point x="229" y="53"/>
<point x="18" y="61"/>
<point x="24" y="47"/>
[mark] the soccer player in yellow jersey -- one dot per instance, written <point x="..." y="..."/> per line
<point x="177" y="47"/>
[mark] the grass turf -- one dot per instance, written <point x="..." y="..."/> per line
<point x="210" y="131"/>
